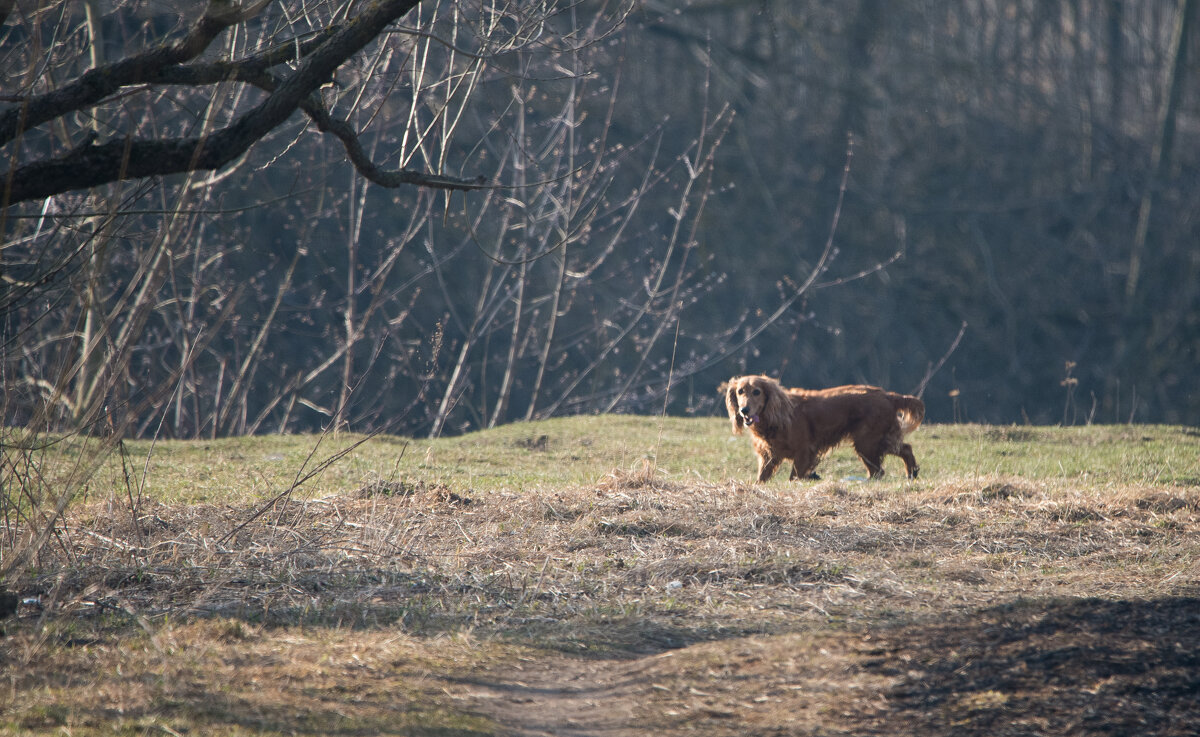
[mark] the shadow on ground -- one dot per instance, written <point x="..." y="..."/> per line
<point x="1030" y="667"/>
<point x="1081" y="666"/>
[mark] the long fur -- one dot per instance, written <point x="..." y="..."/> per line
<point x="802" y="425"/>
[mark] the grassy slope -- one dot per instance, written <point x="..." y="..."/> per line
<point x="578" y="450"/>
<point x="1032" y="576"/>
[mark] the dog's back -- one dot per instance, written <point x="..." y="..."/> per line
<point x="834" y="414"/>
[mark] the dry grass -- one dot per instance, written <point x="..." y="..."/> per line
<point x="962" y="604"/>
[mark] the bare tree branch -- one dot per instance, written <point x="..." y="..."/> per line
<point x="96" y="84"/>
<point x="91" y="164"/>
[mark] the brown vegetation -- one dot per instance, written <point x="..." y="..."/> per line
<point x="966" y="606"/>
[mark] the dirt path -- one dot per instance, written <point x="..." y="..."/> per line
<point x="1074" y="665"/>
<point x="563" y="697"/>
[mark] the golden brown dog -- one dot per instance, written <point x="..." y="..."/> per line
<point x="801" y="425"/>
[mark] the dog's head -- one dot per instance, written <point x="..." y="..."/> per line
<point x="754" y="400"/>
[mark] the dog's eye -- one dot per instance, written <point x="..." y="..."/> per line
<point x="757" y="392"/>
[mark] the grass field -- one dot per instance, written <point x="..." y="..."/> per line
<point x="615" y="576"/>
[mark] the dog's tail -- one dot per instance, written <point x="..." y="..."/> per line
<point x="909" y="409"/>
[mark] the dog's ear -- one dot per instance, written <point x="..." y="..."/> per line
<point x="729" y="389"/>
<point x="778" y="409"/>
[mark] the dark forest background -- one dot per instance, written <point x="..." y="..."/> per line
<point x="668" y="204"/>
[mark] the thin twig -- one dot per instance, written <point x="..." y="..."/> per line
<point x="941" y="362"/>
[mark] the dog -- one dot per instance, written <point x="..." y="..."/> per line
<point x="802" y="425"/>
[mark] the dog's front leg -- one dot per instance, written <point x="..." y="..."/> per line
<point x="766" y="467"/>
<point x="812" y="475"/>
<point x="804" y="465"/>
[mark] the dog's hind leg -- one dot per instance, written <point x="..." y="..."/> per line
<point x="910" y="461"/>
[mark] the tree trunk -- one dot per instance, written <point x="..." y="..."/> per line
<point x="1160" y="155"/>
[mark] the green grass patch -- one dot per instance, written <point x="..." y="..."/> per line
<point x="583" y="450"/>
